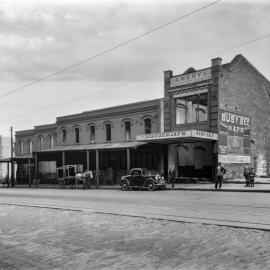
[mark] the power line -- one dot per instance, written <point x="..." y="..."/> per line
<point x="108" y="50"/>
<point x="127" y="83"/>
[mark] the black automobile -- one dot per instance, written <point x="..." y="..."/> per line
<point x="142" y="178"/>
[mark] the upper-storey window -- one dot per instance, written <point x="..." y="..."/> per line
<point x="40" y="142"/>
<point x="191" y="109"/>
<point x="20" y="147"/>
<point x="51" y="141"/>
<point x="30" y="146"/>
<point x="92" y="134"/>
<point x="77" y="134"/>
<point x="127" y="130"/>
<point x="147" y="126"/>
<point x="64" y="136"/>
<point x="108" y="132"/>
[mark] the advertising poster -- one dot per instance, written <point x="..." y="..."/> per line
<point x="234" y="138"/>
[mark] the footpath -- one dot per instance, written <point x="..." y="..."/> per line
<point x="236" y="185"/>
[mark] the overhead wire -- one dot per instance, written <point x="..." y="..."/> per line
<point x="142" y="77"/>
<point x="107" y="50"/>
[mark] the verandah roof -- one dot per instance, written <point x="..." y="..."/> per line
<point x="101" y="146"/>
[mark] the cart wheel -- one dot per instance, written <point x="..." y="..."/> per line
<point x="61" y="183"/>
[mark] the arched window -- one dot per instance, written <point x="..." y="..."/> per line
<point x="92" y="134"/>
<point x="77" y="134"/>
<point x="40" y="142"/>
<point x="51" y="141"/>
<point x="147" y="126"/>
<point x="127" y="130"/>
<point x="108" y="132"/>
<point x="64" y="136"/>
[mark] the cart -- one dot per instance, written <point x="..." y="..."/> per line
<point x="66" y="175"/>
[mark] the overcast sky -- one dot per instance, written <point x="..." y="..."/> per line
<point x="41" y="37"/>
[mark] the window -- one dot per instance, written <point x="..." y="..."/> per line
<point x="108" y="132"/>
<point x="191" y="109"/>
<point x="30" y="145"/>
<point x="127" y="131"/>
<point x="21" y="147"/>
<point x="40" y="143"/>
<point x="92" y="134"/>
<point x="51" y="142"/>
<point x="147" y="126"/>
<point x="77" y="134"/>
<point x="64" y="136"/>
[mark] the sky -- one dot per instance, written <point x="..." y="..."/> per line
<point x="38" y="38"/>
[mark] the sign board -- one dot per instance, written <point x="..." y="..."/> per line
<point x="177" y="134"/>
<point x="201" y="75"/>
<point x="234" y="138"/>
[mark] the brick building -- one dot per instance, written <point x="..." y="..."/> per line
<point x="230" y="105"/>
<point x="95" y="140"/>
<point x="220" y="113"/>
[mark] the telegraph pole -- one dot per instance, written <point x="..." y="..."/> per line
<point x="11" y="159"/>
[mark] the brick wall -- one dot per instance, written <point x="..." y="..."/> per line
<point x="244" y="90"/>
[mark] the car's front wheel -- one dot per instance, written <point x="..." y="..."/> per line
<point x="151" y="186"/>
<point x="124" y="185"/>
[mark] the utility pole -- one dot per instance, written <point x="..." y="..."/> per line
<point x="11" y="159"/>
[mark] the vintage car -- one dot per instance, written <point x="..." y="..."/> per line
<point x="142" y="178"/>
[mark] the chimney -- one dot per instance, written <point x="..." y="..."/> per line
<point x="216" y="62"/>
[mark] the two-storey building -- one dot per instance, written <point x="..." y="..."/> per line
<point x="217" y="114"/>
<point x="101" y="140"/>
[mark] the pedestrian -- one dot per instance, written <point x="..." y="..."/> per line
<point x="220" y="171"/>
<point x="246" y="174"/>
<point x="251" y="177"/>
<point x="172" y="174"/>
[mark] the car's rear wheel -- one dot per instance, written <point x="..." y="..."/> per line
<point x="151" y="186"/>
<point x="124" y="185"/>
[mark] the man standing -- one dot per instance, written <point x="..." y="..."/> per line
<point x="246" y="174"/>
<point x="172" y="174"/>
<point x="220" y="171"/>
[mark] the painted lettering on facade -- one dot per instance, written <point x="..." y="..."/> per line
<point x="177" y="134"/>
<point x="234" y="137"/>
<point x="197" y="76"/>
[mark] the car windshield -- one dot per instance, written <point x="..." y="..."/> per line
<point x="146" y="172"/>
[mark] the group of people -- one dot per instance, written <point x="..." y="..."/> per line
<point x="249" y="175"/>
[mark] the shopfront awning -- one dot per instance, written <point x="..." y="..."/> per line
<point x="16" y="159"/>
<point x="101" y="146"/>
<point x="178" y="136"/>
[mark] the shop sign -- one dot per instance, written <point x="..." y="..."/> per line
<point x="177" y="134"/>
<point x="197" y="76"/>
<point x="204" y="135"/>
<point x="234" y="158"/>
<point x="234" y="137"/>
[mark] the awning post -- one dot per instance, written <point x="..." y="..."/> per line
<point x="36" y="166"/>
<point x="128" y="160"/>
<point x="29" y="172"/>
<point x="87" y="160"/>
<point x="63" y="159"/>
<point x="97" y="168"/>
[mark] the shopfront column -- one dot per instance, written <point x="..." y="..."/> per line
<point x="128" y="160"/>
<point x="97" y="168"/>
<point x="172" y="157"/>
